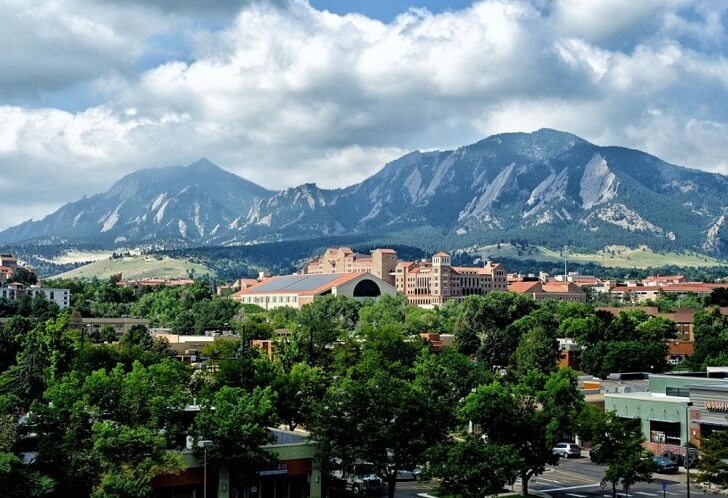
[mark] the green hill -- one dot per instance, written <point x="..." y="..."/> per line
<point x="610" y="256"/>
<point x="137" y="267"/>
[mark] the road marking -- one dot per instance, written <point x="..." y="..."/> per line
<point x="576" y="495"/>
<point x="596" y="484"/>
<point x="644" y="493"/>
<point x="572" y="476"/>
<point x="547" y="480"/>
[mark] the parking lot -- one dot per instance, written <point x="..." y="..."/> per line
<point x="580" y="478"/>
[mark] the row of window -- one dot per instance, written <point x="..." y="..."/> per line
<point x="270" y="299"/>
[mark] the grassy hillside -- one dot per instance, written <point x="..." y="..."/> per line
<point x="136" y="267"/>
<point x="610" y="257"/>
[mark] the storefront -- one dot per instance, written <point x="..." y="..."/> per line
<point x="677" y="409"/>
<point x="709" y="411"/>
<point x="296" y="475"/>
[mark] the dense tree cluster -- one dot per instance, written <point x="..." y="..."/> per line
<point x="108" y="417"/>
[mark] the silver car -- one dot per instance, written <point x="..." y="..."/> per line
<point x="567" y="450"/>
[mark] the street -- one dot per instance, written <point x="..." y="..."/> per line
<point x="580" y="478"/>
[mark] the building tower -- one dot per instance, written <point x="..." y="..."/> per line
<point x="384" y="264"/>
<point x="442" y="270"/>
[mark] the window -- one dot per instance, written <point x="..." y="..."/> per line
<point x="683" y="392"/>
<point x="665" y="432"/>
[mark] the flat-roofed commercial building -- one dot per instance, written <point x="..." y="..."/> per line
<point x="667" y="420"/>
<point x="296" y="291"/>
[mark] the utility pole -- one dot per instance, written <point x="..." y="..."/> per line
<point x="204" y="444"/>
<point x="687" y="445"/>
<point x="566" y="248"/>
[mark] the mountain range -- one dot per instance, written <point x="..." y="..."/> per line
<point x="547" y="187"/>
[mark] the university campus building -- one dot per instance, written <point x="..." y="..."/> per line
<point x="298" y="290"/>
<point x="562" y="291"/>
<point x="432" y="283"/>
<point x="381" y="263"/>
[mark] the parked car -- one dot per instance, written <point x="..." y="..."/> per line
<point x="665" y="465"/>
<point x="409" y="474"/>
<point x="360" y="479"/>
<point x="567" y="450"/>
<point x="595" y="454"/>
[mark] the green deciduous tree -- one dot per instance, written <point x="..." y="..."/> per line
<point x="381" y="419"/>
<point x="17" y="480"/>
<point x="237" y="424"/>
<point x="537" y="350"/>
<point x="620" y="448"/>
<point x="511" y="416"/>
<point x="129" y="458"/>
<point x="473" y="468"/>
<point x="713" y="464"/>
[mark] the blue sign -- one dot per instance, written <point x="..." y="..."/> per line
<point x="664" y="485"/>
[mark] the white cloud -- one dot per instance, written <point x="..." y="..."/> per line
<point x="285" y="95"/>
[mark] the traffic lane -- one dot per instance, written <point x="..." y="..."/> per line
<point x="579" y="477"/>
<point x="410" y="489"/>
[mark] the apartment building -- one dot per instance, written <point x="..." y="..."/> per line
<point x="642" y="293"/>
<point x="381" y="263"/>
<point x="432" y="283"/>
<point x="13" y="292"/>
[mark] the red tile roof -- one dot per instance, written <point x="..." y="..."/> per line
<point x="523" y="287"/>
<point x="688" y="287"/>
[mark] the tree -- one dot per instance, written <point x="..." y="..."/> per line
<point x="130" y="457"/>
<point x="719" y="297"/>
<point x="620" y="448"/>
<point x="322" y="322"/>
<point x="713" y="465"/>
<point x="24" y="276"/>
<point x="710" y="331"/>
<point x="46" y="353"/>
<point x="299" y="392"/>
<point x="473" y="468"/>
<point x="448" y="376"/>
<point x="381" y="419"/>
<point x="237" y="424"/>
<point x="137" y="336"/>
<point x="386" y="310"/>
<point x="17" y="480"/>
<point x="511" y="416"/>
<point x="107" y="334"/>
<point x="537" y="350"/>
<point x="11" y="335"/>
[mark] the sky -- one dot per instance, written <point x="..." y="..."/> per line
<point x="284" y="92"/>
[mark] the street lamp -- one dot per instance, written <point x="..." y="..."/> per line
<point x="687" y="444"/>
<point x="204" y="444"/>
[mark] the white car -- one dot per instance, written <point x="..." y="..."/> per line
<point x="567" y="450"/>
<point x="409" y="475"/>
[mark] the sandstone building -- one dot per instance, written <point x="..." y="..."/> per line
<point x="432" y="283"/>
<point x="381" y="263"/>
